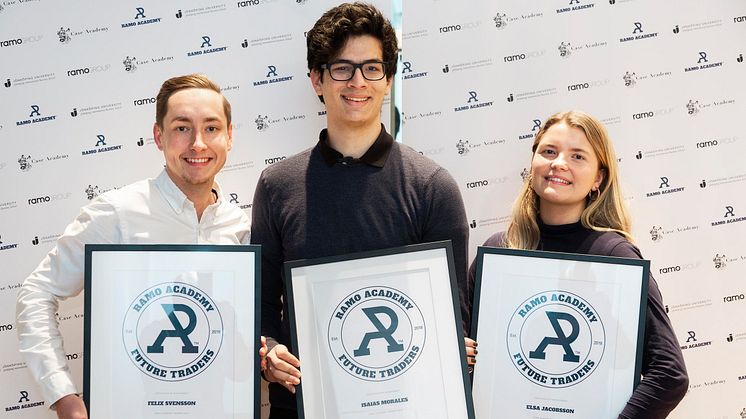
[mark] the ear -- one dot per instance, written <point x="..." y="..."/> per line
<point x="316" y="81"/>
<point x="157" y="136"/>
<point x="599" y="178"/>
<point x="230" y="136"/>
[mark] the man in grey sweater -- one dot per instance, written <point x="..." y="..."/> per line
<point x="356" y="190"/>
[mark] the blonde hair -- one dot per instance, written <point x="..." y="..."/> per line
<point x="606" y="212"/>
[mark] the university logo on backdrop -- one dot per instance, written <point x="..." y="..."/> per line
<point x="376" y="333"/>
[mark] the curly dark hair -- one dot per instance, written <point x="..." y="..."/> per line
<point x="330" y="33"/>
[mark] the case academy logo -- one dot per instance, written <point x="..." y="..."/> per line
<point x="543" y="321"/>
<point x="472" y="103"/>
<point x="693" y="107"/>
<point x="720" y="262"/>
<point x="638" y="34"/>
<point x="234" y="200"/>
<point x="376" y="333"/>
<point x="464" y="146"/>
<point x="272" y="77"/>
<point x="24" y="402"/>
<point x="92" y="192"/>
<point x="206" y="48"/>
<point x="692" y="342"/>
<point x="172" y="331"/>
<point x="703" y="63"/>
<point x="564" y="49"/>
<point x="7" y="246"/>
<point x="729" y="217"/>
<point x="25" y="163"/>
<point x="262" y="122"/>
<point x="129" y="64"/>
<point x="502" y="20"/>
<point x="140" y="19"/>
<point x="65" y="35"/>
<point x="665" y="188"/>
<point x="101" y="146"/>
<point x="408" y="73"/>
<point x="656" y="234"/>
<point x="36" y="117"/>
<point x="631" y="79"/>
<point x="574" y="6"/>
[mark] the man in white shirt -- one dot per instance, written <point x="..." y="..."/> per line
<point x="182" y="205"/>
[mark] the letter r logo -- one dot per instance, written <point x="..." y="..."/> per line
<point x="272" y="71"/>
<point x="382" y="332"/>
<point x="140" y="12"/>
<point x="638" y="28"/>
<point x="561" y="339"/>
<point x="24" y="397"/>
<point x="205" y="42"/>
<point x="34" y="111"/>
<point x="407" y="67"/>
<point x="472" y="97"/>
<point x="178" y="331"/>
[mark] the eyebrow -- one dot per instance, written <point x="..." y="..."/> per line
<point x="180" y="118"/>
<point x="582" y="150"/>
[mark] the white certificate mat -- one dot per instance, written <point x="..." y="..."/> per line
<point x="172" y="330"/>
<point x="560" y="335"/>
<point x="379" y="335"/>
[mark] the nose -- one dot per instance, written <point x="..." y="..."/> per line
<point x="559" y="162"/>
<point x="198" y="144"/>
<point x="357" y="79"/>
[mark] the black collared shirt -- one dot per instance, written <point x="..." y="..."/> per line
<point x="375" y="156"/>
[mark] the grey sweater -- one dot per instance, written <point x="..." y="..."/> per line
<point x="317" y="204"/>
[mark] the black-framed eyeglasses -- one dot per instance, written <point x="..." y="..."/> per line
<point x="345" y="70"/>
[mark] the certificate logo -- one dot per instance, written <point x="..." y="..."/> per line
<point x="376" y="333"/>
<point x="556" y="339"/>
<point x="172" y="331"/>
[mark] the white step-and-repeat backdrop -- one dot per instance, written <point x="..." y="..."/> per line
<point x="77" y="106"/>
<point x="667" y="78"/>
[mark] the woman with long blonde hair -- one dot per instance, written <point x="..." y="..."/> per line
<point x="571" y="202"/>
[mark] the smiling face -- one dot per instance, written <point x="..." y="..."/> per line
<point x="355" y="103"/>
<point x="195" y="138"/>
<point x="564" y="170"/>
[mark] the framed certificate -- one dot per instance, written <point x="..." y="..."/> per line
<point x="172" y="330"/>
<point x="379" y="335"/>
<point x="560" y="335"/>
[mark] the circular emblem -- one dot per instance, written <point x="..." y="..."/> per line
<point x="556" y="339"/>
<point x="172" y="331"/>
<point x="376" y="333"/>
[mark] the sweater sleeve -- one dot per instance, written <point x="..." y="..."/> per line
<point x="446" y="220"/>
<point x="664" y="377"/>
<point x="264" y="231"/>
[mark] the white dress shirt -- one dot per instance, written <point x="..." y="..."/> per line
<point x="150" y="211"/>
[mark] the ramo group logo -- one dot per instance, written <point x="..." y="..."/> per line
<point x="172" y="331"/>
<point x="555" y="339"/>
<point x="376" y="333"/>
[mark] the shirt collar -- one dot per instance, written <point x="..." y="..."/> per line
<point x="176" y="199"/>
<point x="376" y="155"/>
